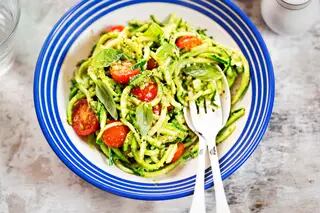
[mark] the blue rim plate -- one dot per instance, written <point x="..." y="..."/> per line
<point x="79" y="18"/>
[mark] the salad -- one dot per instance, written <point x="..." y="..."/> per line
<point x="127" y="97"/>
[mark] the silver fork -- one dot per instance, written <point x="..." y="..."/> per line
<point x="206" y="124"/>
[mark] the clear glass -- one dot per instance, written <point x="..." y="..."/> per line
<point x="9" y="18"/>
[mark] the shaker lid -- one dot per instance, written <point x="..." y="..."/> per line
<point x="294" y="4"/>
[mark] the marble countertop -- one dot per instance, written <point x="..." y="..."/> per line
<point x="283" y="175"/>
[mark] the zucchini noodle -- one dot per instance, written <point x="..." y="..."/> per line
<point x="156" y="127"/>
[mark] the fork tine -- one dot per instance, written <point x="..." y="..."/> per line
<point x="193" y="107"/>
<point x="194" y="115"/>
<point x="187" y="117"/>
<point x="217" y="99"/>
<point x="202" y="110"/>
<point x="208" y="105"/>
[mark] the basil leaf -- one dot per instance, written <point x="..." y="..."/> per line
<point x="203" y="71"/>
<point x="139" y="65"/>
<point x="105" y="97"/>
<point x="105" y="57"/>
<point x="144" y="118"/>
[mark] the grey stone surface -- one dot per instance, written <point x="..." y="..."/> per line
<point x="283" y="175"/>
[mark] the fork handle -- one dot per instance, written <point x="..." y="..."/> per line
<point x="221" y="200"/>
<point x="198" y="200"/>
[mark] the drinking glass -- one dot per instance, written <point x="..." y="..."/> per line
<point x="9" y="18"/>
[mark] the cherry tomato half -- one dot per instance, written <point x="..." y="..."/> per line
<point x="152" y="64"/>
<point x="121" y="72"/>
<point x="115" y="136"/>
<point x="188" y="42"/>
<point x="147" y="92"/>
<point x="157" y="109"/>
<point x="170" y="108"/>
<point x="84" y="120"/>
<point x="114" y="28"/>
<point x="179" y="152"/>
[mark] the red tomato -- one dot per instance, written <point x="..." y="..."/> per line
<point x="188" y="42"/>
<point x="152" y="64"/>
<point x="114" y="28"/>
<point x="178" y="153"/>
<point x="170" y="108"/>
<point x="157" y="109"/>
<point x="121" y="72"/>
<point x="84" y="120"/>
<point x="146" y="93"/>
<point x="115" y="136"/>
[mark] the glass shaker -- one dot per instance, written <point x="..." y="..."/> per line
<point x="290" y="16"/>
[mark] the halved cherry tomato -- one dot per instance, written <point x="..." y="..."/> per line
<point x="179" y="152"/>
<point x="152" y="64"/>
<point x="188" y="42"/>
<point x="147" y="92"/>
<point x="84" y="120"/>
<point x="113" y="28"/>
<point x="115" y="136"/>
<point x="121" y="71"/>
<point x="157" y="109"/>
<point x="170" y="108"/>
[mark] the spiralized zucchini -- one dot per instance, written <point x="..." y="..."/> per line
<point x="181" y="75"/>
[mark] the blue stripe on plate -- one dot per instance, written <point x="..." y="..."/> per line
<point x="58" y="140"/>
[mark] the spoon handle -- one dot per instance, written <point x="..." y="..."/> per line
<point x="221" y="200"/>
<point x="198" y="200"/>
